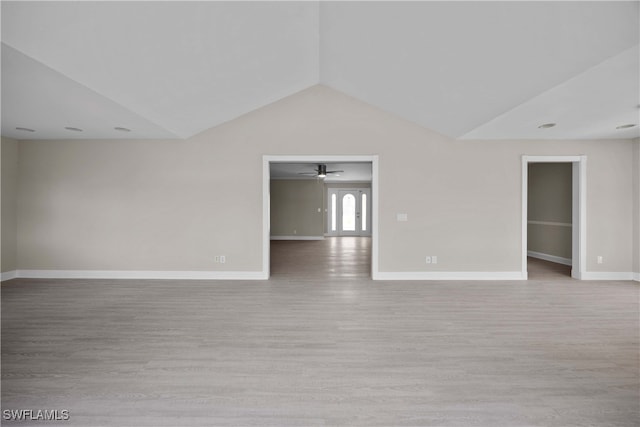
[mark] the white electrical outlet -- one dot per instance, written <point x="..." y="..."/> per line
<point x="223" y="259"/>
<point x="216" y="259"/>
<point x="600" y="259"/>
<point x="428" y="260"/>
<point x="434" y="259"/>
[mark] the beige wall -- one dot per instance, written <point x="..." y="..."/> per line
<point x="295" y="203"/>
<point x="173" y="205"/>
<point x="297" y="208"/>
<point x="549" y="203"/>
<point x="636" y="207"/>
<point x="9" y="154"/>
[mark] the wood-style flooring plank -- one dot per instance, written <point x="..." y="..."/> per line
<point x="321" y="344"/>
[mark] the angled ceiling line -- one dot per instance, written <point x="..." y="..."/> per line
<point x="92" y="90"/>
<point x="196" y="105"/>
<point x="581" y="74"/>
<point x="191" y="66"/>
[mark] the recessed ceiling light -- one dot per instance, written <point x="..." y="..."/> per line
<point x="25" y="129"/>
<point x="546" y="126"/>
<point x="73" y="129"/>
<point x="625" y="126"/>
<point x="121" y="129"/>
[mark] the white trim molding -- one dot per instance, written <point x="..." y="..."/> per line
<point x="557" y="224"/>
<point x="450" y="275"/>
<point x="551" y="258"/>
<point x="608" y="275"/>
<point x="8" y="275"/>
<point x="134" y="274"/>
<point x="259" y="275"/>
<point x="579" y="208"/>
<point x="297" y="237"/>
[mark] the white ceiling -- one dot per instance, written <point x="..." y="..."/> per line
<point x="473" y="70"/>
<point x="453" y="67"/>
<point x="353" y="172"/>
<point x="35" y="96"/>
<point x="184" y="66"/>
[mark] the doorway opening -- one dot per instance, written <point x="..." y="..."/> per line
<point x="554" y="216"/>
<point x="549" y="220"/>
<point x="321" y="201"/>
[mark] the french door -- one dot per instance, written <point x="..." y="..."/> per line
<point x="349" y="212"/>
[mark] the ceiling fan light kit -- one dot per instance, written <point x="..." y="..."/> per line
<point x="320" y="171"/>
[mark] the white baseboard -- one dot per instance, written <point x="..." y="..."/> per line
<point x="449" y="275"/>
<point x="8" y="275"/>
<point x="125" y="274"/>
<point x="608" y="275"/>
<point x="259" y="275"/>
<point x="297" y="237"/>
<point x="551" y="258"/>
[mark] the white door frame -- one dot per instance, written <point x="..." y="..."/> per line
<point x="266" y="179"/>
<point x="579" y="210"/>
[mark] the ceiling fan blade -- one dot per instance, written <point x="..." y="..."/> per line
<point x="334" y="171"/>
<point x="307" y="173"/>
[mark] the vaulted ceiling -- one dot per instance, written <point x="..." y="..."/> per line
<point x="474" y="70"/>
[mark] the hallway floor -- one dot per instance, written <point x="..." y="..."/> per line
<point x="539" y="269"/>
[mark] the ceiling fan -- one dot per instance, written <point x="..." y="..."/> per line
<point x="320" y="171"/>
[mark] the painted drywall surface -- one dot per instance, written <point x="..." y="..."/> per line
<point x="173" y="205"/>
<point x="549" y="206"/>
<point x="550" y="192"/>
<point x="296" y="208"/>
<point x="9" y="154"/>
<point x="145" y="205"/>
<point x="549" y="240"/>
<point x="610" y="200"/>
<point x="636" y="206"/>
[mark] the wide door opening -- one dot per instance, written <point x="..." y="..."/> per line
<point x="320" y="216"/>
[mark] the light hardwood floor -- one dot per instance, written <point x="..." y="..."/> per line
<point x="345" y="258"/>
<point x="538" y="269"/>
<point x="322" y="344"/>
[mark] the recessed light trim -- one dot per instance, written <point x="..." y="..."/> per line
<point x="121" y="129"/>
<point x="627" y="126"/>
<point x="73" y="129"/>
<point x="546" y="125"/>
<point x="25" y="129"/>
